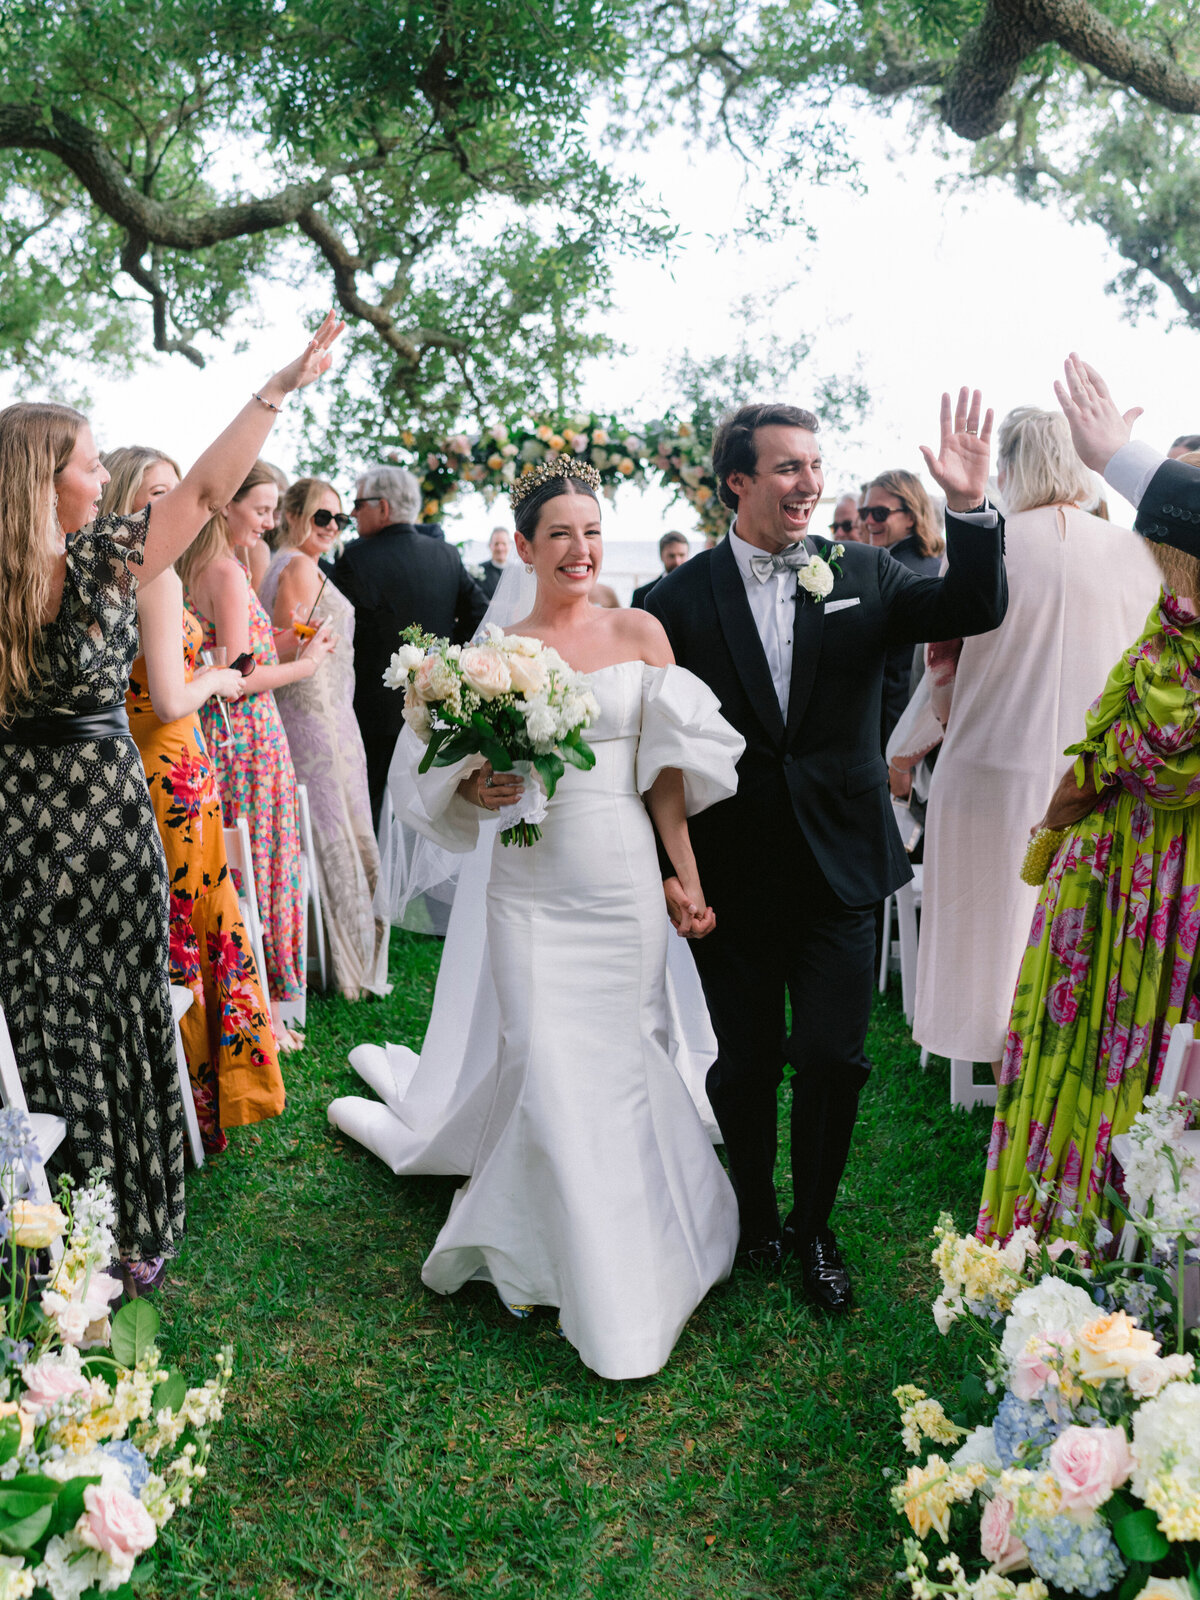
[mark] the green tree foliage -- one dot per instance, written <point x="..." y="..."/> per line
<point x="1089" y="104"/>
<point x="160" y="160"/>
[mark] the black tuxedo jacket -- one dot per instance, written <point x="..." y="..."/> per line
<point x="491" y="577"/>
<point x="638" y="603"/>
<point x="1170" y="508"/>
<point x="393" y="578"/>
<point x="824" y="768"/>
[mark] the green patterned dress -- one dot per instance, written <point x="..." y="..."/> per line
<point x="1111" y="963"/>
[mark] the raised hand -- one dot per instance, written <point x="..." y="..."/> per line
<point x="313" y="360"/>
<point x="1098" y="429"/>
<point x="960" y="468"/>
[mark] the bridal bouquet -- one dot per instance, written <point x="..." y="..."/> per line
<point x="513" y="700"/>
<point x="99" y="1442"/>
<point x="1073" y="1467"/>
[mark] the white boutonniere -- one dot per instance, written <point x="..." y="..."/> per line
<point x="817" y="577"/>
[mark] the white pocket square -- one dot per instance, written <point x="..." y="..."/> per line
<point x="841" y="605"/>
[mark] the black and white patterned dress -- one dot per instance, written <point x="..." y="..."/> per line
<point x="83" y="903"/>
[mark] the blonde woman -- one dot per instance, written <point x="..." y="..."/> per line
<point x="327" y="748"/>
<point x="253" y="762"/>
<point x="83" y="889"/>
<point x="1079" y="592"/>
<point x="228" y="1040"/>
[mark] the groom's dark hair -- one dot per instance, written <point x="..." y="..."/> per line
<point x="734" y="449"/>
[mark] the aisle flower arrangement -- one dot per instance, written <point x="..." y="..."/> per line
<point x="666" y="448"/>
<point x="511" y="699"/>
<point x="100" y="1443"/>
<point x="1072" y="1465"/>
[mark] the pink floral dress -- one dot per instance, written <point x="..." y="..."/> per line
<point x="1111" y="964"/>
<point x="257" y="781"/>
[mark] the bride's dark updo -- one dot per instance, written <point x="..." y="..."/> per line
<point x="525" y="517"/>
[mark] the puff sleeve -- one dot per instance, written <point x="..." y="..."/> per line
<point x="682" y="727"/>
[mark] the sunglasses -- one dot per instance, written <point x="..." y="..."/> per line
<point x="324" y="518"/>
<point x="878" y="514"/>
<point x="842" y="527"/>
<point x="371" y="499"/>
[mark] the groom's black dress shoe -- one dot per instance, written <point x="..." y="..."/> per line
<point x="826" y="1280"/>
<point x="765" y="1255"/>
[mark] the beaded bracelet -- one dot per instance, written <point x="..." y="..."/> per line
<point x="267" y="403"/>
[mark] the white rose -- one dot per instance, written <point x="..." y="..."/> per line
<point x="416" y="715"/>
<point x="816" y="577"/>
<point x="528" y="675"/>
<point x="485" y="670"/>
<point x="1049" y="1306"/>
<point x="540" y="724"/>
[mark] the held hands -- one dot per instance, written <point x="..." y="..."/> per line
<point x="960" y="469"/>
<point x="224" y="682"/>
<point x="312" y="361"/>
<point x="1098" y="429"/>
<point x="491" y="789"/>
<point x="692" y="919"/>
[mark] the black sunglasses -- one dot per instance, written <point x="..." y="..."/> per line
<point x="367" y="500"/>
<point x="842" y="527"/>
<point x="323" y="518"/>
<point x="878" y="514"/>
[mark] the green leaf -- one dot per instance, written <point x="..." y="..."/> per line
<point x="1135" y="1579"/>
<point x="69" y="1507"/>
<point x="436" y="739"/>
<point x="1138" y="1536"/>
<point x="169" y="1396"/>
<point x="18" y="1503"/>
<point x="551" y="770"/>
<point x="134" y="1329"/>
<point x="585" y="761"/>
<point x="21" y="1536"/>
<point x="10" y="1438"/>
<point x="1114" y="1200"/>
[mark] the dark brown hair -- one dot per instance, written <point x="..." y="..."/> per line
<point x="733" y="448"/>
<point x="525" y="517"/>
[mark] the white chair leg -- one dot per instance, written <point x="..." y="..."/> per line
<point x="885" y="946"/>
<point x="49" y="1131"/>
<point x="964" y="1091"/>
<point x="924" y="1059"/>
<point x="316" y="912"/>
<point x="907" y="901"/>
<point x="181" y="999"/>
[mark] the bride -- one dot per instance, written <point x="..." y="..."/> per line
<point x="593" y="1186"/>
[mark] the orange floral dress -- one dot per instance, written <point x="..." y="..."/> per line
<point x="232" y="1057"/>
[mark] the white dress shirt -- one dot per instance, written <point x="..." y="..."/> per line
<point x="773" y="607"/>
<point x="1130" y="470"/>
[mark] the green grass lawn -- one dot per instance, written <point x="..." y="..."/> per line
<point x="382" y="1441"/>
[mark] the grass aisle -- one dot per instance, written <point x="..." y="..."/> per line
<point x="385" y="1442"/>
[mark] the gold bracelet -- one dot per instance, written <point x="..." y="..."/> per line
<point x="267" y="403"/>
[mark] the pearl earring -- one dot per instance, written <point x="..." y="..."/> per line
<point x="529" y="568"/>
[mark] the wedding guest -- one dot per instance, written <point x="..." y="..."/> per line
<point x="673" y="551"/>
<point x="847" y="524"/>
<point x="256" y="556"/>
<point x="228" y="1041"/>
<point x="796" y="862"/>
<point x="323" y="737"/>
<point x="493" y="567"/>
<point x="253" y="765"/>
<point x="83" y="887"/>
<point x="604" y="595"/>
<point x="898" y="517"/>
<point x="1079" y="591"/>
<point x="1184" y="445"/>
<point x="394" y="577"/>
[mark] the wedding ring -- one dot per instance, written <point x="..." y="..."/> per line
<point x="488" y="782"/>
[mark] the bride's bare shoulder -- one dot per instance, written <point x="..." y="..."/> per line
<point x="643" y="636"/>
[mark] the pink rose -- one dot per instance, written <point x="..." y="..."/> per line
<point x="1089" y="1463"/>
<point x="1030" y="1374"/>
<point x="486" y="671"/>
<point x="116" y="1523"/>
<point x="997" y="1541"/>
<point x="50" y="1380"/>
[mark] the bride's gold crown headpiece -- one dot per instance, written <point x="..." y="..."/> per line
<point x="560" y="467"/>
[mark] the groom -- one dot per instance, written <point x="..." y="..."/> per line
<point x="795" y="863"/>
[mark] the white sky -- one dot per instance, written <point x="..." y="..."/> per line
<point x="927" y="290"/>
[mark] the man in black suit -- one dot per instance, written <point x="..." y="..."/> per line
<point x="673" y="551"/>
<point x="792" y="638"/>
<point x="493" y="568"/>
<point x="394" y="576"/>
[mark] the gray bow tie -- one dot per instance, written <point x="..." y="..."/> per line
<point x="790" y="560"/>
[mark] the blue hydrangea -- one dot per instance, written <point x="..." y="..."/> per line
<point x="1022" y="1430"/>
<point x="1080" y="1558"/>
<point x="132" y="1459"/>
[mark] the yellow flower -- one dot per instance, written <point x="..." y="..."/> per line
<point x="495" y="462"/>
<point x="10" y="1408"/>
<point x="557" y="441"/>
<point x="1165" y="1589"/>
<point x="407" y="439"/>
<point x="625" y="466"/>
<point x="1178" y="1505"/>
<point x="599" y="436"/>
<point x="33" y="1227"/>
<point x="685" y="430"/>
<point x="568" y="434"/>
<point x="703" y="495"/>
<point x="1110" y="1345"/>
<point x="929" y="1492"/>
<point x="431" y="509"/>
<point x="545" y="432"/>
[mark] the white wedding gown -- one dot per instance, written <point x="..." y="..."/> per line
<point x="553" y="1082"/>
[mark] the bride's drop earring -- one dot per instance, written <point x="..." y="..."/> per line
<point x="529" y="568"/>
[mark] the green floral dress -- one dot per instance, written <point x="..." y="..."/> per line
<point x="1111" y="963"/>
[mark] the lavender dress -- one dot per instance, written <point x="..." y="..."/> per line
<point x="327" y="752"/>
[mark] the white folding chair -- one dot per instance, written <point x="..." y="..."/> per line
<point x="241" y="861"/>
<point x="889" y="948"/>
<point x="908" y="903"/>
<point x="181" y="999"/>
<point x="316" y="915"/>
<point x="964" y="1091"/>
<point x="49" y="1131"/>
